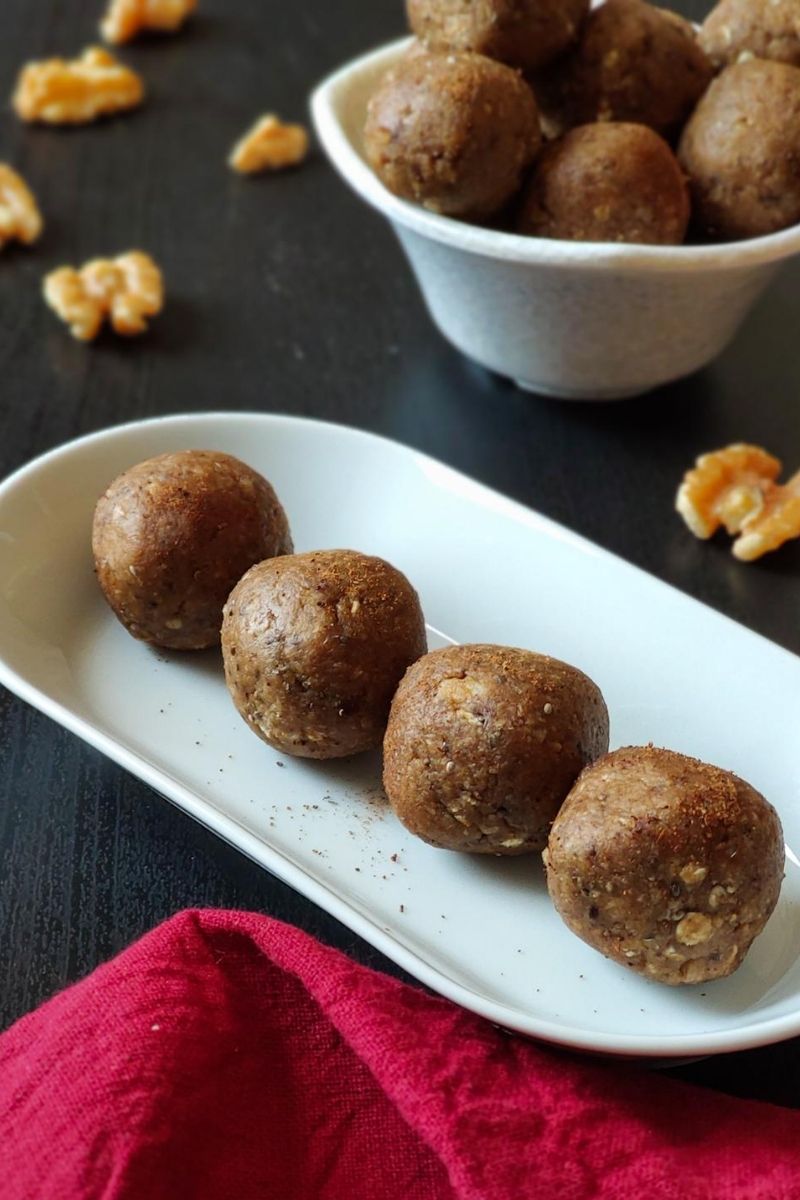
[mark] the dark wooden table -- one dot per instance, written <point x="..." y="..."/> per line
<point x="286" y="294"/>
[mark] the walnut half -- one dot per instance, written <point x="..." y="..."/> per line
<point x="127" y="290"/>
<point x="776" y="523"/>
<point x="269" y="145"/>
<point x="737" y="487"/>
<point x="20" y="218"/>
<point x="126" y="19"/>
<point x="75" y="91"/>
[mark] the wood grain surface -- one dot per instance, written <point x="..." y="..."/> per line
<point x="286" y="294"/>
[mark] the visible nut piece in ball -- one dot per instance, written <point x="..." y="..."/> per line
<point x="607" y="183"/>
<point x="741" y="151"/>
<point x="483" y="744"/>
<point x="314" y="647"/>
<point x="171" y="537"/>
<point x="523" y="33"/>
<point x="634" y="62"/>
<point x="740" y="29"/>
<point x="665" y="864"/>
<point x="453" y="132"/>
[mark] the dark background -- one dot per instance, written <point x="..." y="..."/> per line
<point x="286" y="294"/>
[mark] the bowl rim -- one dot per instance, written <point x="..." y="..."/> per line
<point x="329" y="95"/>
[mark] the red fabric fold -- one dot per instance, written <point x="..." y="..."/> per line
<point x="227" y="1055"/>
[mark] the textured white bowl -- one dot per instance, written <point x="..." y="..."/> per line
<point x="579" y="320"/>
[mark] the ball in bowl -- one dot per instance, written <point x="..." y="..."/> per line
<point x="608" y="182"/>
<point x="314" y="646"/>
<point x="173" y="534"/>
<point x="483" y="744"/>
<point x="741" y="151"/>
<point x="634" y="62"/>
<point x="523" y="33"/>
<point x="665" y="864"/>
<point x="452" y="132"/>
<point x="759" y="28"/>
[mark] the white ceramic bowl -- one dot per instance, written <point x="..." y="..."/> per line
<point x="579" y="320"/>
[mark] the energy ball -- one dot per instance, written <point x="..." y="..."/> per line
<point x="665" y="864"/>
<point x="454" y="132"/>
<point x="752" y="29"/>
<point x="314" y="646"/>
<point x="741" y="151"/>
<point x="483" y="744"/>
<point x="634" y="63"/>
<point x="607" y="183"/>
<point x="172" y="535"/>
<point x="524" y="33"/>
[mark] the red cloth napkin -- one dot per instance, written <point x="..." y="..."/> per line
<point x="227" y="1056"/>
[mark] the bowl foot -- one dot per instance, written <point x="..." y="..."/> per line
<point x="546" y="389"/>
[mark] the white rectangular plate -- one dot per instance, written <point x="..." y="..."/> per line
<point x="479" y="931"/>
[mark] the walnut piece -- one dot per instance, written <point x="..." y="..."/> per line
<point x="127" y="290"/>
<point x="20" y="218"/>
<point x="736" y="487"/>
<point x="693" y="873"/>
<point x="126" y="19"/>
<point x="725" y="488"/>
<point x="778" y="521"/>
<point x="59" y="91"/>
<point x="269" y="145"/>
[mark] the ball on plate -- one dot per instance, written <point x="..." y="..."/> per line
<point x="634" y="62"/>
<point x="172" y="535"/>
<point x="314" y="646"/>
<point x="612" y="182"/>
<point x="752" y="28"/>
<point x="741" y="151"/>
<point x="523" y="33"/>
<point x="483" y="744"/>
<point x="665" y="864"/>
<point x="453" y="132"/>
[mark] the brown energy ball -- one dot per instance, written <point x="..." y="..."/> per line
<point x="454" y="132"/>
<point x="741" y="151"/>
<point x="607" y="183"/>
<point x="754" y="28"/>
<point x="665" y="864"/>
<point x="523" y="33"/>
<point x="172" y="535"/>
<point x="483" y="744"/>
<point x="314" y="646"/>
<point x="634" y="63"/>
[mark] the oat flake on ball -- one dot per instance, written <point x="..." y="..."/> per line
<point x="172" y="535"/>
